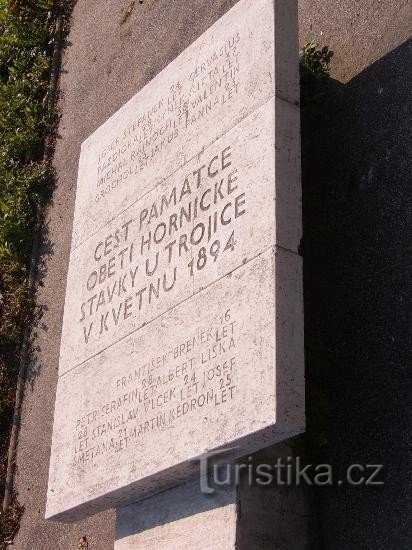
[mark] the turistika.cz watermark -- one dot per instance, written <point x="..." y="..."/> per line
<point x="286" y="471"/>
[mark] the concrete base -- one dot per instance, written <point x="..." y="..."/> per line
<point x="181" y="518"/>
<point x="239" y="516"/>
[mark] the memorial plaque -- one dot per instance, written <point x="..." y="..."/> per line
<point x="183" y="323"/>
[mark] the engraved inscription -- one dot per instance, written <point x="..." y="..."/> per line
<point x="210" y="85"/>
<point x="194" y="227"/>
<point x="182" y="321"/>
<point x="179" y="233"/>
<point x="192" y="375"/>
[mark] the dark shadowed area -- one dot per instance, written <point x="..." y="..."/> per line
<point x="357" y="280"/>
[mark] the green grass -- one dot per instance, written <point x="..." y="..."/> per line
<point x="26" y="28"/>
<point x="315" y="60"/>
<point x="24" y="71"/>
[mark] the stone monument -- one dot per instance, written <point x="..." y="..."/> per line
<point x="183" y="321"/>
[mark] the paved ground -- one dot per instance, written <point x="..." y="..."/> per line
<point x="356" y="209"/>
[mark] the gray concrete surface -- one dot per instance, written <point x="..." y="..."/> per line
<point x="235" y="516"/>
<point x="356" y="209"/>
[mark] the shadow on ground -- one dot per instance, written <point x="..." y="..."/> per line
<point x="356" y="147"/>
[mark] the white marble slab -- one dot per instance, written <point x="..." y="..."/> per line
<point x="221" y="78"/>
<point x="183" y="323"/>
<point x="223" y="369"/>
<point x="204" y="221"/>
